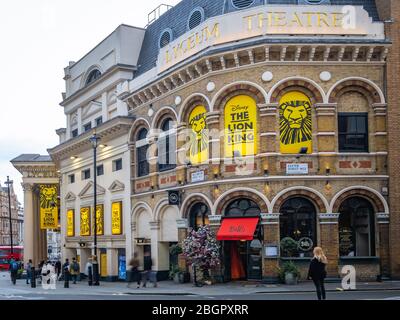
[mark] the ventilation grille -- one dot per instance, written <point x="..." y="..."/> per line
<point x="241" y="4"/>
<point x="165" y="38"/>
<point x="195" y="19"/>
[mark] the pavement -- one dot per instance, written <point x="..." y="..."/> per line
<point x="169" y="288"/>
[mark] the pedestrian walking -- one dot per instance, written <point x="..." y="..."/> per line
<point x="147" y="267"/>
<point x="28" y="269"/>
<point x="134" y="275"/>
<point x="75" y="270"/>
<point x="58" y="269"/>
<point x="317" y="272"/>
<point x="13" y="270"/>
<point x="66" y="270"/>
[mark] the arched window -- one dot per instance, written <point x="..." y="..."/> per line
<point x="93" y="76"/>
<point x="167" y="146"/>
<point x="242" y="208"/>
<point x="298" y="228"/>
<point x="356" y="228"/>
<point x="143" y="167"/>
<point x="198" y="216"/>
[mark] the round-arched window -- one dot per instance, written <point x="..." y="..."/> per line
<point x="93" y="76"/>
<point x="242" y="4"/>
<point x="298" y="227"/>
<point x="199" y="216"/>
<point x="241" y="208"/>
<point x="142" y="146"/>
<point x="167" y="146"/>
<point x="356" y="228"/>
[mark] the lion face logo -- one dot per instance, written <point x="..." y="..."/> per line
<point x="199" y="134"/>
<point x="295" y="123"/>
<point x="48" y="197"/>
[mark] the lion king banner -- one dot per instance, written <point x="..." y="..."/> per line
<point x="48" y="207"/>
<point x="99" y="219"/>
<point x="199" y="135"/>
<point x="240" y="127"/>
<point x="85" y="221"/>
<point x="295" y="123"/>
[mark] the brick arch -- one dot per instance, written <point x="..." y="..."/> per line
<point x="161" y="115"/>
<point x="189" y="202"/>
<point x="138" y="125"/>
<point x="238" y="89"/>
<point x="297" y="85"/>
<point x="238" y="195"/>
<point x="368" y="195"/>
<point x="355" y="85"/>
<point x="191" y="104"/>
<point x="314" y="198"/>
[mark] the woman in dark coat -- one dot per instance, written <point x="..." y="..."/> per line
<point x="317" y="272"/>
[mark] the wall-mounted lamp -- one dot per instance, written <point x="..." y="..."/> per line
<point x="266" y="167"/>
<point x="328" y="187"/>
<point x="328" y="171"/>
<point x="216" y="191"/>
<point x="267" y="188"/>
<point x="216" y="172"/>
<point x="74" y="158"/>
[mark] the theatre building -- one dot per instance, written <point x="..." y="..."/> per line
<point x="268" y="121"/>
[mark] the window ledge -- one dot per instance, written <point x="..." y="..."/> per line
<point x="299" y="259"/>
<point x="360" y="259"/>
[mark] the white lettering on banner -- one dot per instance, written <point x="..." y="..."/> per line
<point x="297" y="168"/>
<point x="328" y="21"/>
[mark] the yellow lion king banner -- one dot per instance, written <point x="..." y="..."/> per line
<point x="295" y="123"/>
<point x="199" y="136"/>
<point x="240" y="127"/>
<point x="48" y="207"/>
<point x="85" y="221"/>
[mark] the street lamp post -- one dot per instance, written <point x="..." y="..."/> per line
<point x="8" y="183"/>
<point x="94" y="139"/>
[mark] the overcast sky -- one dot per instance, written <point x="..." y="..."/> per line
<point x="38" y="39"/>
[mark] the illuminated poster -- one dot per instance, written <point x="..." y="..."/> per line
<point x="48" y="207"/>
<point x="70" y="223"/>
<point x="99" y="220"/>
<point x="116" y="218"/>
<point x="295" y="123"/>
<point x="240" y="127"/>
<point x="103" y="265"/>
<point x="199" y="135"/>
<point x="85" y="221"/>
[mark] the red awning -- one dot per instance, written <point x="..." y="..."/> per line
<point x="237" y="229"/>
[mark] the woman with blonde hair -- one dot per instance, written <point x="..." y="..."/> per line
<point x="317" y="272"/>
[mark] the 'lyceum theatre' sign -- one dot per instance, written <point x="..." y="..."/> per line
<point x="272" y="21"/>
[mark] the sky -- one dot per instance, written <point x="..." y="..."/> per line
<point x="37" y="40"/>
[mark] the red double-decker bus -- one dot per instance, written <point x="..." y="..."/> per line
<point x="5" y="255"/>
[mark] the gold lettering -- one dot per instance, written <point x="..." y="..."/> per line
<point x="191" y="44"/>
<point x="262" y="18"/>
<point x="322" y="18"/>
<point x="215" y="32"/>
<point x="337" y="19"/>
<point x="280" y="19"/>
<point x="296" y="19"/>
<point x="249" y="21"/>
<point x="178" y="50"/>
<point x="167" y="57"/>
<point x="309" y="18"/>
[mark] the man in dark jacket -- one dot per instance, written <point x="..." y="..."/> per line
<point x="13" y="270"/>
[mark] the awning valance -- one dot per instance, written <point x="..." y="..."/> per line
<point x="237" y="229"/>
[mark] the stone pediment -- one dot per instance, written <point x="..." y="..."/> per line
<point x="117" y="186"/>
<point x="92" y="108"/>
<point x="70" y="197"/>
<point x="88" y="191"/>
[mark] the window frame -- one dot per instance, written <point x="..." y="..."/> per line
<point x="71" y="178"/>
<point x="74" y="133"/>
<point x="99" y="121"/>
<point x="142" y="146"/>
<point x="168" y="136"/>
<point x="84" y="174"/>
<point x="344" y="147"/>
<point x="115" y="162"/>
<point x="85" y="125"/>
<point x="97" y="170"/>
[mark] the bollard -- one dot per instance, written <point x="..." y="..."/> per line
<point x="33" y="277"/>
<point x="90" y="276"/>
<point x="66" y="279"/>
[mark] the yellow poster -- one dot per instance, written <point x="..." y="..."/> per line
<point x="48" y="207"/>
<point x="116" y="218"/>
<point x="295" y="123"/>
<point x="85" y="221"/>
<point x="199" y="135"/>
<point x="103" y="265"/>
<point x="70" y="223"/>
<point x="240" y="127"/>
<point x="99" y="219"/>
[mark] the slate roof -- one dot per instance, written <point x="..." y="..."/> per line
<point x="176" y="19"/>
<point x="32" y="158"/>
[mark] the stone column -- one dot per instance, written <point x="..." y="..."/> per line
<point x="155" y="229"/>
<point x="181" y="155"/>
<point x="215" y="146"/>
<point x="381" y="136"/>
<point x="217" y="273"/>
<point x="182" y="225"/>
<point x="269" y="136"/>
<point x="383" y="244"/>
<point x="326" y="135"/>
<point x="329" y="231"/>
<point x="152" y="139"/>
<point x="28" y="224"/>
<point x="270" y="223"/>
<point x="112" y="264"/>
